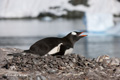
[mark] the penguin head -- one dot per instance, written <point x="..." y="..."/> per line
<point x="75" y="36"/>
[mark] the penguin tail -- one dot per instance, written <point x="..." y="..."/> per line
<point x="27" y="51"/>
<point x="15" y="54"/>
<point x="19" y="54"/>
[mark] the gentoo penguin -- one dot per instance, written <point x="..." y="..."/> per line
<point x="55" y="45"/>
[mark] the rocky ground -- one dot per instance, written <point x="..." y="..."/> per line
<point x="68" y="67"/>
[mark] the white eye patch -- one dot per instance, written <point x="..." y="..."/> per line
<point x="74" y="33"/>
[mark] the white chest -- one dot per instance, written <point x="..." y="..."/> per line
<point x="55" y="49"/>
<point x="68" y="51"/>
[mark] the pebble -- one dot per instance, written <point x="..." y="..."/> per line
<point x="52" y="71"/>
<point x="102" y="58"/>
<point x="41" y="78"/>
<point x="114" y="61"/>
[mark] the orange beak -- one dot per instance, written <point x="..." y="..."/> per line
<point x="82" y="35"/>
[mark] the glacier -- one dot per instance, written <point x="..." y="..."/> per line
<point x="32" y="8"/>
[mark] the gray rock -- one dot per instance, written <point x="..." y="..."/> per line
<point x="114" y="61"/>
<point x="12" y="78"/>
<point x="52" y="71"/>
<point x="40" y="77"/>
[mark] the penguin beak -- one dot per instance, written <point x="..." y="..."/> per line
<point x="80" y="34"/>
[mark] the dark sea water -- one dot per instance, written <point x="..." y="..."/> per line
<point x="24" y="32"/>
